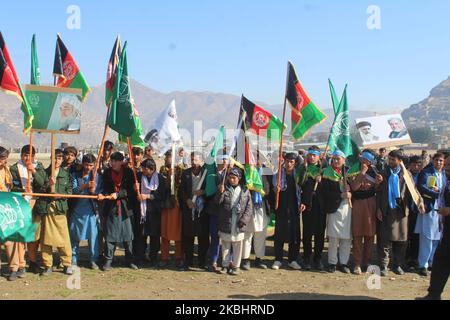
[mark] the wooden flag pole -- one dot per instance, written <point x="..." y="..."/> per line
<point x="53" y="159"/>
<point x="280" y="157"/>
<point x="65" y="196"/>
<point x="102" y="147"/>
<point x="30" y="161"/>
<point x="130" y="152"/>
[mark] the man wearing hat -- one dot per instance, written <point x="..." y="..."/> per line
<point x="364" y="181"/>
<point x="365" y="131"/>
<point x="287" y="226"/>
<point x="336" y="200"/>
<point x="313" y="218"/>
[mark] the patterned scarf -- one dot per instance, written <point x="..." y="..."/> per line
<point x="117" y="180"/>
<point x="148" y="185"/>
<point x="394" y="187"/>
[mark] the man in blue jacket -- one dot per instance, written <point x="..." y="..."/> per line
<point x="431" y="184"/>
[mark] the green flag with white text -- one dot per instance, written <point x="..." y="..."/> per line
<point x="15" y="218"/>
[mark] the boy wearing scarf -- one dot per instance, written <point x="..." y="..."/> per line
<point x="287" y="226"/>
<point x="336" y="197"/>
<point x="235" y="212"/>
<point x="151" y="196"/>
<point x="19" y="172"/>
<point x="171" y="213"/>
<point x="364" y="183"/>
<point x="257" y="229"/>
<point x="15" y="251"/>
<point x="431" y="184"/>
<point x="119" y="187"/>
<point x="84" y="221"/>
<point x="314" y="218"/>
<point x="393" y="203"/>
<point x="55" y="231"/>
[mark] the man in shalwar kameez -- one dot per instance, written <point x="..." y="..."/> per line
<point x="335" y="198"/>
<point x="84" y="221"/>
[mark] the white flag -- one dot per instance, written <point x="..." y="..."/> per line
<point x="165" y="130"/>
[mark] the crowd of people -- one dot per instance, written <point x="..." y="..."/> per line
<point x="391" y="204"/>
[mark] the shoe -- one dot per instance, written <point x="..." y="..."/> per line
<point x="12" y="276"/>
<point x="318" y="265"/>
<point x="398" y="271"/>
<point x="133" y="266"/>
<point x="429" y="297"/>
<point x="423" y="272"/>
<point x="259" y="264"/>
<point x="163" y="264"/>
<point x="246" y="265"/>
<point x="21" y="273"/>
<point x="294" y="265"/>
<point x="94" y="266"/>
<point x="68" y="270"/>
<point x="307" y="266"/>
<point x="331" y="268"/>
<point x="185" y="267"/>
<point x="357" y="271"/>
<point x="213" y="268"/>
<point x="384" y="272"/>
<point x="234" y="272"/>
<point x="107" y="266"/>
<point x="345" y="269"/>
<point x="276" y="265"/>
<point x="224" y="270"/>
<point x="46" y="272"/>
<point x="34" y="268"/>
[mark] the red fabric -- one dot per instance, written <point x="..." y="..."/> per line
<point x="117" y="179"/>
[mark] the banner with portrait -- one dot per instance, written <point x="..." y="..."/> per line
<point x="55" y="109"/>
<point x="382" y="131"/>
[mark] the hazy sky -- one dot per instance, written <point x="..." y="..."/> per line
<point x="242" y="46"/>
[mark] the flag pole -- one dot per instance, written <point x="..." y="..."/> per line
<point x="30" y="161"/>
<point x="53" y="145"/>
<point x="172" y="175"/>
<point x="277" y="199"/>
<point x="102" y="146"/>
<point x="130" y="152"/>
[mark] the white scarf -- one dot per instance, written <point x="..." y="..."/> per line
<point x="147" y="186"/>
<point x="23" y="174"/>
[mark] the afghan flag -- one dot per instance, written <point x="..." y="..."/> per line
<point x="121" y="115"/>
<point x="67" y="70"/>
<point x="111" y="74"/>
<point x="35" y="72"/>
<point x="304" y="113"/>
<point x="9" y="82"/>
<point x="340" y="138"/>
<point x="261" y="121"/>
<point x="137" y="137"/>
<point x="211" y="164"/>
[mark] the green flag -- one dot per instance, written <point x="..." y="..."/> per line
<point x="15" y="218"/>
<point x="334" y="98"/>
<point x="35" y="73"/>
<point x="121" y="115"/>
<point x="340" y="138"/>
<point x="211" y="165"/>
<point x="137" y="137"/>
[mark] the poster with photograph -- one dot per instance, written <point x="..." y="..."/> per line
<point x="382" y="131"/>
<point x="55" y="109"/>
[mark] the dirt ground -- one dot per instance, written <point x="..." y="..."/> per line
<point x="170" y="284"/>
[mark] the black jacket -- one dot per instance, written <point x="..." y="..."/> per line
<point x="225" y="210"/>
<point x="126" y="194"/>
<point x="330" y="195"/>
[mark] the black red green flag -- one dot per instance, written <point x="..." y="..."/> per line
<point x="66" y="69"/>
<point x="262" y="122"/>
<point x="9" y="82"/>
<point x="111" y="74"/>
<point x="304" y="113"/>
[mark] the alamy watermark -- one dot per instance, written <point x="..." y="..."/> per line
<point x="73" y="21"/>
<point x="374" y="19"/>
